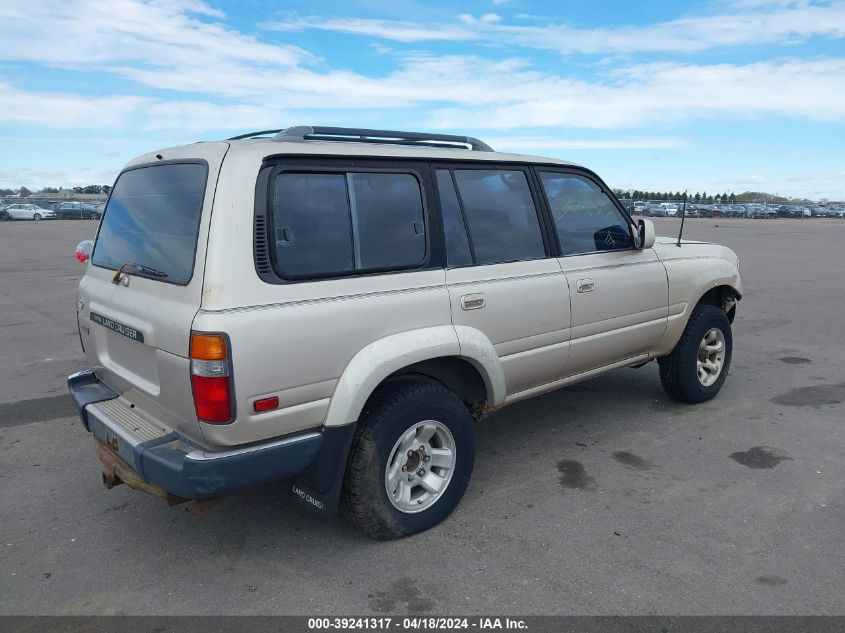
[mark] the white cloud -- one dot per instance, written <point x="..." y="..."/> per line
<point x="90" y="33"/>
<point x="394" y="30"/>
<point x="66" y="110"/>
<point x="552" y="143"/>
<point x="76" y="112"/>
<point x="638" y="95"/>
<point x="761" y="23"/>
<point x="457" y="92"/>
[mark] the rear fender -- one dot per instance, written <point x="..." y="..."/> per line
<point x="320" y="487"/>
<point x="378" y="360"/>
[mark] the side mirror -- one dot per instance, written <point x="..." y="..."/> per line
<point x="645" y="234"/>
<point x="83" y="250"/>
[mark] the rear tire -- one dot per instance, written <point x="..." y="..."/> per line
<point x="698" y="366"/>
<point x="425" y="485"/>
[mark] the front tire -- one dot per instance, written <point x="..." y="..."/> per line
<point x="36" y="217"/>
<point x="411" y="460"/>
<point x="698" y="366"/>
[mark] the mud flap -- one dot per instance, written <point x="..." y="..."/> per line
<point x="319" y="487"/>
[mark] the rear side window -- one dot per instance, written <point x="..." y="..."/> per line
<point x="332" y="224"/>
<point x="586" y="219"/>
<point x="501" y="216"/>
<point x="152" y="219"/>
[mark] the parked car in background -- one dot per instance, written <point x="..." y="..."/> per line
<point x="760" y="211"/>
<point x="28" y="211"/>
<point x="79" y="211"/>
<point x="95" y="209"/>
<point x="69" y="211"/>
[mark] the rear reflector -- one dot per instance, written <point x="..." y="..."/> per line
<point x="266" y="404"/>
<point x="210" y="379"/>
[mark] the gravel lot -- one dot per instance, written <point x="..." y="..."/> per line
<point x="603" y="498"/>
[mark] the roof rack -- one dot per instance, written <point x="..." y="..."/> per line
<point x="306" y="133"/>
<point x="241" y="137"/>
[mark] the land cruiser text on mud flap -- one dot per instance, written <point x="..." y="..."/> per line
<point x="335" y="308"/>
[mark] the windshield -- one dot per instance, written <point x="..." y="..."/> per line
<point x="152" y="220"/>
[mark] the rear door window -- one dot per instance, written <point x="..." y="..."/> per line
<point x="500" y="214"/>
<point x="328" y="224"/>
<point x="152" y="219"/>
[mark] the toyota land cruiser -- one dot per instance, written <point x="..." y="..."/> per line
<point x="335" y="308"/>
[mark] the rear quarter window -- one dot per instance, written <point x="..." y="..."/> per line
<point x="152" y="219"/>
<point x="330" y="224"/>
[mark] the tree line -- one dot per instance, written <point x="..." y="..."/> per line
<point x="24" y="192"/>
<point x="705" y="198"/>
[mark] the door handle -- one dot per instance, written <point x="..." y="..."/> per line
<point x="585" y="285"/>
<point x="474" y="301"/>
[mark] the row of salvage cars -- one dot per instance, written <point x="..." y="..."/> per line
<point x="56" y="211"/>
<point x="751" y="210"/>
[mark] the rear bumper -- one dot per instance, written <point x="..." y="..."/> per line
<point x="176" y="465"/>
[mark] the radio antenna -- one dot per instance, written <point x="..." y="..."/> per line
<point x="683" y="219"/>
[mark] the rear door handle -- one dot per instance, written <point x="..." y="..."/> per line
<point x="585" y="285"/>
<point x="474" y="301"/>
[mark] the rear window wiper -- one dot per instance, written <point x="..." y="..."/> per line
<point x="130" y="267"/>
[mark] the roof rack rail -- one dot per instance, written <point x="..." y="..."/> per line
<point x="240" y="137"/>
<point x="392" y="137"/>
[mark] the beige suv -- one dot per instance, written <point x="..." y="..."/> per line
<point x="336" y="308"/>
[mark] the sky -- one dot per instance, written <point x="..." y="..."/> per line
<point x="723" y="96"/>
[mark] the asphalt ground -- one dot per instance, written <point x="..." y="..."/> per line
<point x="602" y="498"/>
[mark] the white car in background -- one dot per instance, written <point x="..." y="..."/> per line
<point x="28" y="211"/>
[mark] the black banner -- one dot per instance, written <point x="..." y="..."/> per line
<point x="426" y="623"/>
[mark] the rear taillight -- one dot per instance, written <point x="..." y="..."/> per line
<point x="83" y="250"/>
<point x="211" y="380"/>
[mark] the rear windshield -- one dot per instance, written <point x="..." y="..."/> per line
<point x="152" y="219"/>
